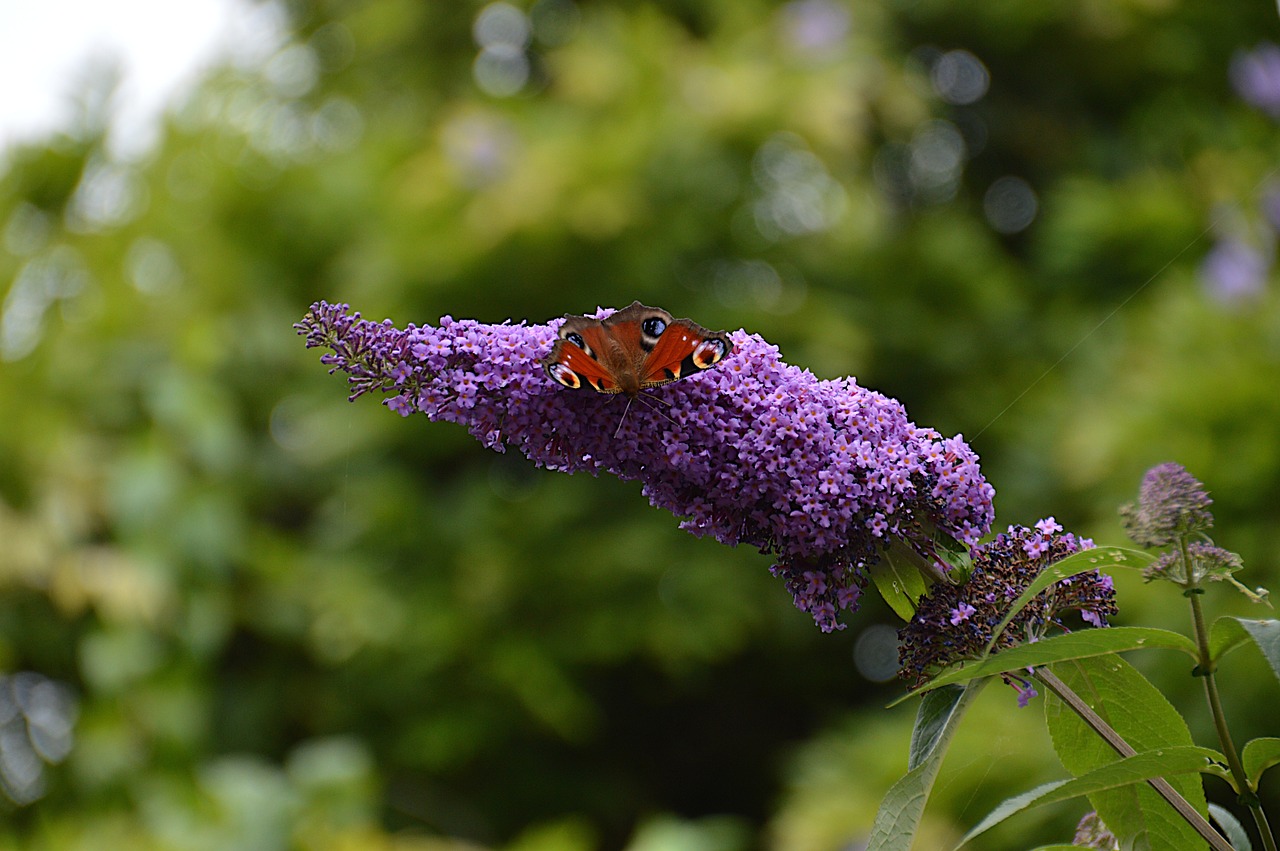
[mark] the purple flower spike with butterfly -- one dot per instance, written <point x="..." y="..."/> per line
<point x="823" y="474"/>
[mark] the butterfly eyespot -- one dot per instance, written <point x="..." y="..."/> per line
<point x="564" y="375"/>
<point x="653" y="326"/>
<point x="709" y="353"/>
<point x="576" y="338"/>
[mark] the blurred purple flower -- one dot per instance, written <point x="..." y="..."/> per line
<point x="1270" y="204"/>
<point x="823" y="474"/>
<point x="1171" y="504"/>
<point x="1234" y="271"/>
<point x="481" y="147"/>
<point x="1173" y="510"/>
<point x="815" y="26"/>
<point x="1256" y="77"/>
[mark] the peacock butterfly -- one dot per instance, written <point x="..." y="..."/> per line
<point x="635" y="348"/>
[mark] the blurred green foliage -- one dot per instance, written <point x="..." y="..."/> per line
<point x="284" y="622"/>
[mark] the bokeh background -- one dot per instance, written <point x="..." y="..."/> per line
<point x="237" y="612"/>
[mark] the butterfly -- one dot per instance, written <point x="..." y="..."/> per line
<point x="635" y="348"/>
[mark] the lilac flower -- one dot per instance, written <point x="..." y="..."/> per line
<point x="1256" y="77"/>
<point x="1171" y="504"/>
<point x="824" y="475"/>
<point x="1036" y="546"/>
<point x="961" y="613"/>
<point x="1026" y="692"/>
<point x="956" y="622"/>
<point x="401" y="405"/>
<point x="1048" y="526"/>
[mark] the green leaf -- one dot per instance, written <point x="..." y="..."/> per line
<point x="1082" y="562"/>
<point x="1101" y="558"/>
<point x="896" y="822"/>
<point x="1266" y="634"/>
<point x="1259" y="755"/>
<point x="1228" y="633"/>
<point x="956" y="554"/>
<point x="898" y="578"/>
<point x="1062" y="648"/>
<point x="1135" y="709"/>
<point x="1120" y="774"/>
<point x="1231" y="828"/>
<point x="933" y="724"/>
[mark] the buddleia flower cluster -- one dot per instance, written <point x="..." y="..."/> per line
<point x="954" y="623"/>
<point x="1171" y="504"/>
<point x="822" y="474"/>
<point x="1173" y="510"/>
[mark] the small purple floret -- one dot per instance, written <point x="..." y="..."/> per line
<point x="961" y="613"/>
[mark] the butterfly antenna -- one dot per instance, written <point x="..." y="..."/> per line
<point x="650" y="400"/>
<point x="630" y="399"/>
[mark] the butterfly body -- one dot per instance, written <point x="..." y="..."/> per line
<point x="635" y="348"/>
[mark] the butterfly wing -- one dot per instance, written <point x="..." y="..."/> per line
<point x="682" y="349"/>
<point x="573" y="360"/>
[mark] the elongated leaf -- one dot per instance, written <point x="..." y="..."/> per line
<point x="1259" y="755"/>
<point x="954" y="553"/>
<point x="1164" y="762"/>
<point x="1082" y="562"/>
<point x="1228" y="633"/>
<point x="1105" y="557"/>
<point x="934" y="722"/>
<point x="1127" y="702"/>
<point x="1231" y="828"/>
<point x="1266" y="634"/>
<point x="1062" y="648"/>
<point x="898" y="819"/>
<point x="898" y="579"/>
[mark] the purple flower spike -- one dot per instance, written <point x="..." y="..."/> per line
<point x="1171" y="504"/>
<point x="824" y="475"/>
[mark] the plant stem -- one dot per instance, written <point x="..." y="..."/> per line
<point x="1206" y="669"/>
<point x="1123" y="748"/>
